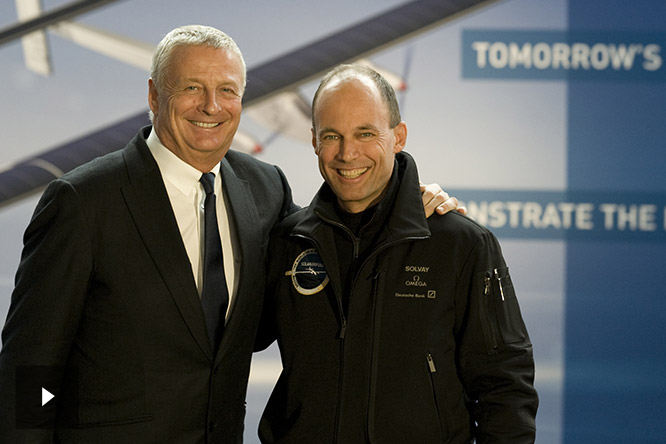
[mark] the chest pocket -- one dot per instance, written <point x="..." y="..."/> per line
<point x="502" y="311"/>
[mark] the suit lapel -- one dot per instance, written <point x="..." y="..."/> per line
<point x="149" y="205"/>
<point x="241" y="210"/>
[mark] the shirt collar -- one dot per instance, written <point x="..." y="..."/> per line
<point x="179" y="173"/>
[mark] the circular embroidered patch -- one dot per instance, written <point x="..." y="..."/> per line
<point x="308" y="274"/>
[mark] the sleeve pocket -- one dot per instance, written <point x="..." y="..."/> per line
<point x="505" y="306"/>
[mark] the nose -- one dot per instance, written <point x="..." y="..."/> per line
<point x="211" y="103"/>
<point x="347" y="150"/>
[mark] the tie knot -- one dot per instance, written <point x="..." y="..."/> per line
<point x="208" y="182"/>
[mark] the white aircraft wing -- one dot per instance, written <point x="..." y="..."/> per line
<point x="280" y="75"/>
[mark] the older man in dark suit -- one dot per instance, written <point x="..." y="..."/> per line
<point x="107" y="297"/>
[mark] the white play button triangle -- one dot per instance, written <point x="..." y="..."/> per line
<point x="46" y="396"/>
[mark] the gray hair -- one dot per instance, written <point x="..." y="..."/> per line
<point x="348" y="72"/>
<point x="192" y="35"/>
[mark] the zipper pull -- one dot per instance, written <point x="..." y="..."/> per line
<point x="486" y="290"/>
<point x="356" y="242"/>
<point x="343" y="330"/>
<point x="499" y="280"/>
<point x="431" y="363"/>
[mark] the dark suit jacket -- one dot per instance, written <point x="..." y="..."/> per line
<point x="105" y="289"/>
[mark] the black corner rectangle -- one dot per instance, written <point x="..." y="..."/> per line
<point x="33" y="385"/>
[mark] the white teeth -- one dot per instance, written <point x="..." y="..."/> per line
<point x="352" y="174"/>
<point x="205" y="125"/>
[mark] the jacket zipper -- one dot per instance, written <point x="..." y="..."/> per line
<point x="431" y="364"/>
<point x="376" y="308"/>
<point x="487" y="315"/>
<point x="341" y="336"/>
<point x="431" y="373"/>
<point x="343" y="329"/>
<point x="343" y="319"/>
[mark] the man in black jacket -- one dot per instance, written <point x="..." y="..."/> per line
<point x="392" y="328"/>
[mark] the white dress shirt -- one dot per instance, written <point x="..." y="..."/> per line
<point x="187" y="198"/>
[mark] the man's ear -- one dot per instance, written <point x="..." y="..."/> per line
<point x="152" y="96"/>
<point x="314" y="139"/>
<point x="400" y="133"/>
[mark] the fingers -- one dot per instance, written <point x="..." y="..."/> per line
<point x="437" y="200"/>
<point x="449" y="204"/>
<point x="432" y="197"/>
<point x="432" y="194"/>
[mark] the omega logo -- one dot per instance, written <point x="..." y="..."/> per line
<point x="416" y="282"/>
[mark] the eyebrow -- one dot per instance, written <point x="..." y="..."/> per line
<point x="326" y="130"/>
<point x="363" y="127"/>
<point x="202" y="81"/>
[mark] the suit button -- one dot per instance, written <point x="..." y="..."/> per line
<point x="212" y="426"/>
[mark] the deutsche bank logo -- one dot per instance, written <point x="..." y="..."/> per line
<point x="562" y="55"/>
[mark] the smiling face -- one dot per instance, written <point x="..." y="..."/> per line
<point x="354" y="142"/>
<point x="197" y="108"/>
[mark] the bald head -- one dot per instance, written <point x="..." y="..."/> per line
<point x="345" y="73"/>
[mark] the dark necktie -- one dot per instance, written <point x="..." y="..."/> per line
<point x="214" y="294"/>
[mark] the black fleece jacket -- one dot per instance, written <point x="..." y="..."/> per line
<point x="422" y="340"/>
